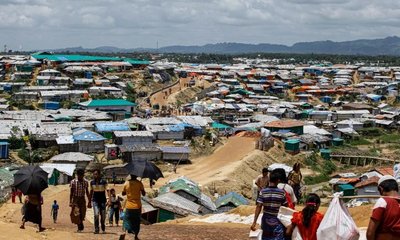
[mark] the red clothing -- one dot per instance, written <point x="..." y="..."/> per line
<point x="309" y="233"/>
<point x="387" y="212"/>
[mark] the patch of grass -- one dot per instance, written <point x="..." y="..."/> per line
<point x="390" y="138"/>
<point x="361" y="141"/>
<point x="312" y="162"/>
<point x="371" y="132"/>
<point x="311" y="180"/>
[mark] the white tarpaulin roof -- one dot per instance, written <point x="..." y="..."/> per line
<point x="67" y="168"/>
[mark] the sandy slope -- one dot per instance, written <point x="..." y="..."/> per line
<point x="218" y="165"/>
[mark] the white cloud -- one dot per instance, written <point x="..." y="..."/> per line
<point x="39" y="24"/>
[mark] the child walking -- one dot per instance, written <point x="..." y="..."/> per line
<point x="115" y="206"/>
<point x="54" y="211"/>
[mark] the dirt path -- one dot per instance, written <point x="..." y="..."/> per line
<point x="10" y="219"/>
<point x="161" y="98"/>
<point x="356" y="79"/>
<point x="218" y="165"/>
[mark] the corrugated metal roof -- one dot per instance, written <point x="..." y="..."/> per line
<point x="169" y="149"/>
<point x="173" y="199"/>
<point x="140" y="148"/>
<point x="208" y="202"/>
<point x="161" y="121"/>
<point x="133" y="134"/>
<point x="196" y="120"/>
<point x="72" y="157"/>
<point x="146" y="207"/>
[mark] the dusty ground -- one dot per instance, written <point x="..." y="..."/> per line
<point x="232" y="167"/>
<point x="180" y="229"/>
<point x="10" y="219"/>
<point x="218" y="165"/>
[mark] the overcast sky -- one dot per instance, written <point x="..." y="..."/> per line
<point x="44" y="24"/>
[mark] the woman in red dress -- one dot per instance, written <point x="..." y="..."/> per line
<point x="308" y="220"/>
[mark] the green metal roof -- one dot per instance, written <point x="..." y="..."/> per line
<point x="86" y="58"/>
<point x="107" y="102"/>
<point x="183" y="185"/>
<point x="220" y="126"/>
<point x="344" y="187"/>
<point x="136" y="61"/>
<point x="74" y="58"/>
<point x="231" y="197"/>
<point x="292" y="141"/>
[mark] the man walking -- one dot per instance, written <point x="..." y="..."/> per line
<point x="79" y="187"/>
<point x="262" y="181"/>
<point x="98" y="191"/>
<point x="134" y="190"/>
<point x="385" y="219"/>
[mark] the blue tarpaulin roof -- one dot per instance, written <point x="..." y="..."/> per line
<point x="111" y="126"/>
<point x="176" y="128"/>
<point x="81" y="134"/>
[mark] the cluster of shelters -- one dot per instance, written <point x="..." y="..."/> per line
<point x="51" y="79"/>
<point x="365" y="184"/>
<point x="182" y="197"/>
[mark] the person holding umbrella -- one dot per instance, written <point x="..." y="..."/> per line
<point x="31" y="181"/>
<point x="79" y="188"/>
<point x="134" y="189"/>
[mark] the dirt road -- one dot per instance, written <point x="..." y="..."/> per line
<point x="218" y="165"/>
<point x="161" y="98"/>
<point x="10" y="219"/>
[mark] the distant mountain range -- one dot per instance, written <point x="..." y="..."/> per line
<point x="385" y="46"/>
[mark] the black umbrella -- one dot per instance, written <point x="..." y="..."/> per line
<point x="31" y="180"/>
<point x="144" y="169"/>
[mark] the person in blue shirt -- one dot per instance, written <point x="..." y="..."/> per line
<point x="54" y="211"/>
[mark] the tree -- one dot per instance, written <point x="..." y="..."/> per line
<point x="15" y="142"/>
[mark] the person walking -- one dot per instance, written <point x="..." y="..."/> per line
<point x="33" y="211"/>
<point x="79" y="187"/>
<point x="290" y="195"/>
<point x="270" y="200"/>
<point x="114" y="177"/>
<point x="54" y="211"/>
<point x="262" y="181"/>
<point x="385" y="220"/>
<point x="133" y="189"/>
<point x="19" y="194"/>
<point x="98" y="196"/>
<point x="295" y="177"/>
<point x="115" y="207"/>
<point x="308" y="220"/>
